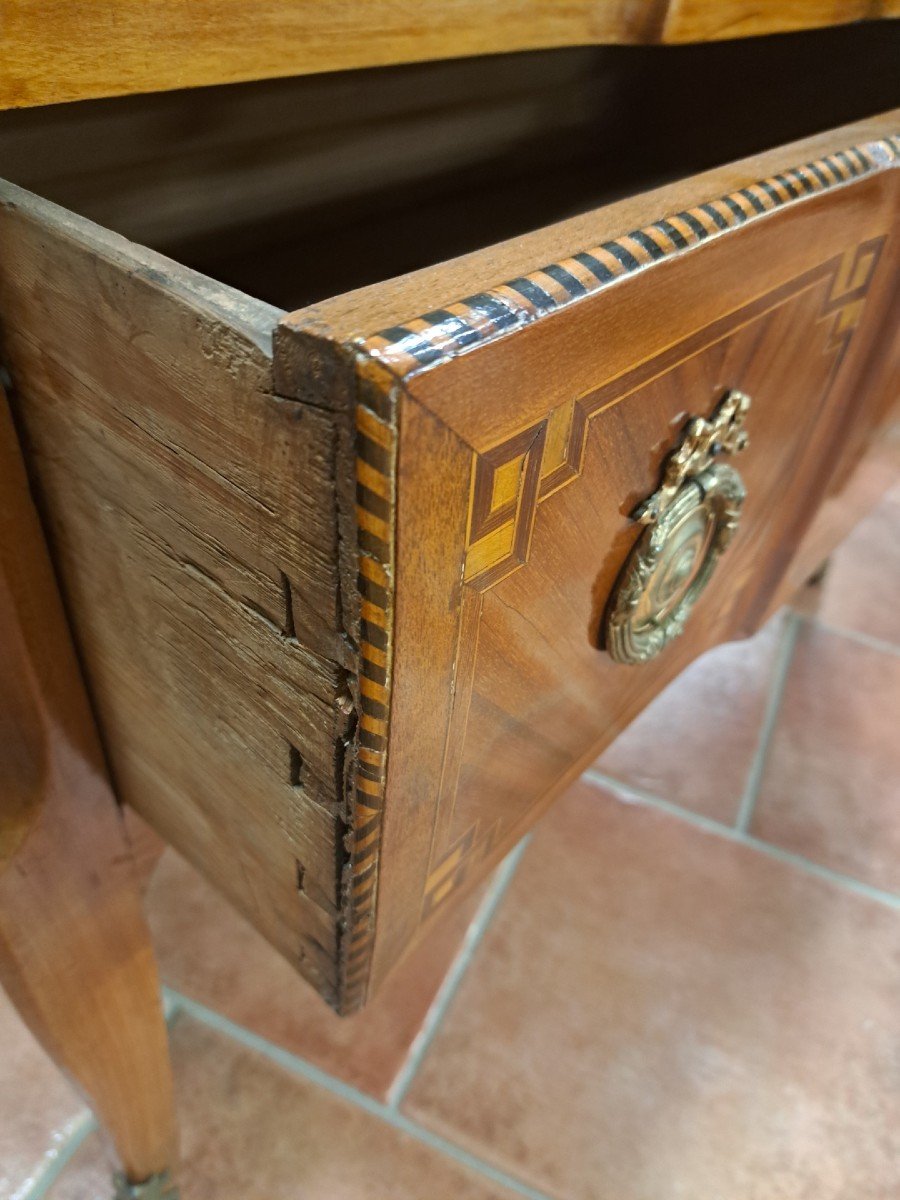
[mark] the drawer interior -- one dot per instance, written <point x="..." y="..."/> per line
<point x="299" y="189"/>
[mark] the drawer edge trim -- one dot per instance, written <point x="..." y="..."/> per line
<point x="464" y="325"/>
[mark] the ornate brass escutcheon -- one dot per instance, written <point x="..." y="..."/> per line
<point x="689" y="520"/>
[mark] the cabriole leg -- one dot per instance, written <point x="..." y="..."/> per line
<point x="75" y="952"/>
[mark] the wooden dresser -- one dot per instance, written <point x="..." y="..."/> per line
<point x="538" y="402"/>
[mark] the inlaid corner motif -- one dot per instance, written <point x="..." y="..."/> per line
<point x="848" y="291"/>
<point x="512" y="480"/>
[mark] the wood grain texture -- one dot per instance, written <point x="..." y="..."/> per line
<point x="525" y="426"/>
<point x="75" y="952"/>
<point x="338" y="610"/>
<point x="165" y="168"/>
<point x="53" y="53"/>
<point x="191" y="514"/>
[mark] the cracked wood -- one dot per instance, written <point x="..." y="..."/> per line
<point x="192" y="518"/>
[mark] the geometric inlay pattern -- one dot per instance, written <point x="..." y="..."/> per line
<point x="510" y="480"/>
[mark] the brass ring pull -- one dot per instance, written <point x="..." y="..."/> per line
<point x="689" y="521"/>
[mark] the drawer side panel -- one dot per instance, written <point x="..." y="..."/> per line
<point x="191" y="515"/>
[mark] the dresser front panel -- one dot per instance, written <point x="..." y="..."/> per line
<point x="520" y="462"/>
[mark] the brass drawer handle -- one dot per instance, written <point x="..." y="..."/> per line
<point x="689" y="520"/>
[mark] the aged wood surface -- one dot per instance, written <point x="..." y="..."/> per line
<point x="338" y="612"/>
<point x="52" y="53"/>
<point x="191" y="517"/>
<point x="517" y="424"/>
<point x="75" y="952"/>
<point x="165" y="168"/>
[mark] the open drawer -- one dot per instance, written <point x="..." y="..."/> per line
<point x="358" y="588"/>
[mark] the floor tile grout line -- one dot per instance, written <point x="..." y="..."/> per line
<point x="52" y="1167"/>
<point x="351" y="1095"/>
<point x="632" y="795"/>
<point x="853" y="635"/>
<point x="170" y="1004"/>
<point x="783" y="658"/>
<point x="174" y="1003"/>
<point x="847" y="882"/>
<point x="445" y="995"/>
<point x="627" y="793"/>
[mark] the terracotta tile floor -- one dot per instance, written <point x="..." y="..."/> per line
<point x="686" y="987"/>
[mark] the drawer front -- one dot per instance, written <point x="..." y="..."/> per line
<point x="519" y="428"/>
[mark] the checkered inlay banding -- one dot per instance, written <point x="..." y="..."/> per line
<point x="462" y="326"/>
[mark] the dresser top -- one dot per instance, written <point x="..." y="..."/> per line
<point x="51" y="52"/>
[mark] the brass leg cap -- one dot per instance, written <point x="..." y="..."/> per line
<point x="157" y="1187"/>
